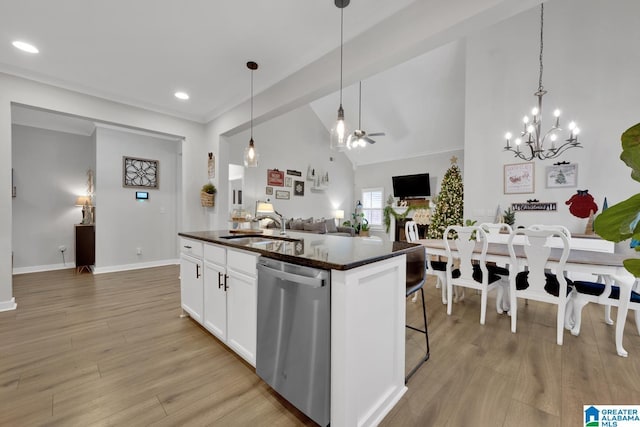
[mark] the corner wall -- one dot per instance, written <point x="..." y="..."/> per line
<point x="125" y="225"/>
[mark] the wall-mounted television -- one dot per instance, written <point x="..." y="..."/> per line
<point x="411" y="185"/>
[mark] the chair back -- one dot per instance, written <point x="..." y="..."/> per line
<point x="411" y="231"/>
<point x="491" y="228"/>
<point x="537" y="252"/>
<point x="466" y="239"/>
<point x="493" y="231"/>
<point x="416" y="268"/>
<point x="561" y="228"/>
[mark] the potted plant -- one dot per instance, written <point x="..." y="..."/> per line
<point x="207" y="195"/>
<point x="364" y="227"/>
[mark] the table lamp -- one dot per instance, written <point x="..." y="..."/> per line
<point x="85" y="202"/>
<point x="339" y="214"/>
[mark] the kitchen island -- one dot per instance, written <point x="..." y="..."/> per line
<point x="367" y="331"/>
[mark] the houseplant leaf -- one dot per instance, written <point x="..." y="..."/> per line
<point x="633" y="266"/>
<point x="619" y="222"/>
<point x="631" y="150"/>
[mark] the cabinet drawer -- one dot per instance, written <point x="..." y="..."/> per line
<point x="244" y="262"/>
<point x="191" y="247"/>
<point x="215" y="254"/>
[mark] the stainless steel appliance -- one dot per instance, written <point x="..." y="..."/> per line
<point x="294" y="326"/>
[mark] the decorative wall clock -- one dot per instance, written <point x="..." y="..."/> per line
<point x="140" y="173"/>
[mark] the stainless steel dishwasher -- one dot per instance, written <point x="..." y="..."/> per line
<point x="294" y="324"/>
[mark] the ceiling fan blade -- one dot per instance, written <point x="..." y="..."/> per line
<point x="369" y="140"/>
<point x="377" y="134"/>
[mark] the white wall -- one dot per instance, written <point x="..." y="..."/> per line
<point x="295" y="140"/>
<point x="124" y="224"/>
<point x="50" y="171"/>
<point x="27" y="92"/>
<point x="591" y="68"/>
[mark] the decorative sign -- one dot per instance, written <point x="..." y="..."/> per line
<point x="519" y="178"/>
<point x="282" y="194"/>
<point x="211" y="166"/>
<point x="294" y="173"/>
<point x="275" y="177"/>
<point x="562" y="175"/>
<point x="140" y="173"/>
<point x="534" y="206"/>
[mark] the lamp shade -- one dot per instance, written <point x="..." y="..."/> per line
<point x="339" y="214"/>
<point x="83" y="200"/>
<point x="264" y="208"/>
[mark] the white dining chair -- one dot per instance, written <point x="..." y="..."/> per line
<point x="607" y="294"/>
<point x="531" y="279"/>
<point x="469" y="274"/>
<point x="494" y="230"/>
<point x="566" y="232"/>
<point x="434" y="268"/>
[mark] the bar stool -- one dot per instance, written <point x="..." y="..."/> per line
<point x="415" y="280"/>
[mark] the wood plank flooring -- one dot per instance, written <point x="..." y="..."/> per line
<point x="111" y="350"/>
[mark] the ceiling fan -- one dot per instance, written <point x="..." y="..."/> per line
<point x="359" y="136"/>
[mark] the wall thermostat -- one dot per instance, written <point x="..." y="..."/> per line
<point x="142" y="195"/>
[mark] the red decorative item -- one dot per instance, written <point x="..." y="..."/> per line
<point x="582" y="204"/>
<point x="275" y="177"/>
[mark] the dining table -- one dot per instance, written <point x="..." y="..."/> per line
<point x="608" y="265"/>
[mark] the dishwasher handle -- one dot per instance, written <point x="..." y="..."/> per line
<point x="314" y="282"/>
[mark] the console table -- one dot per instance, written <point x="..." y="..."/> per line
<point x="85" y="247"/>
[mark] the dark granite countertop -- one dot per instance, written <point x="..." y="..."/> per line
<point x="308" y="249"/>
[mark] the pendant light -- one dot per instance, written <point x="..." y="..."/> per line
<point x="339" y="133"/>
<point x="250" y="153"/>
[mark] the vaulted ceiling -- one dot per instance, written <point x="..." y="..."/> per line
<point x="140" y="52"/>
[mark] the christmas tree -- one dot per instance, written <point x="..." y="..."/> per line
<point x="448" y="209"/>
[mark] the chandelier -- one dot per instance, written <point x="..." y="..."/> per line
<point x="533" y="141"/>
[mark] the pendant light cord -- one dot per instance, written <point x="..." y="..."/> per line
<point x="540" y="88"/>
<point x="360" y="106"/>
<point x="341" y="43"/>
<point x="251" y="105"/>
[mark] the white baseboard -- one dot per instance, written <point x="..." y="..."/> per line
<point x="137" y="266"/>
<point x="8" y="305"/>
<point x="39" y="268"/>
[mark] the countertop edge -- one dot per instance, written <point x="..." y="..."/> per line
<point x="299" y="260"/>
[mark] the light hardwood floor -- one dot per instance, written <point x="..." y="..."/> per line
<point x="111" y="350"/>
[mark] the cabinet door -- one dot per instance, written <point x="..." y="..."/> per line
<point x="241" y="315"/>
<point x="191" y="286"/>
<point x="215" y="300"/>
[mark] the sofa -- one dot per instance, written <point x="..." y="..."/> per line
<point x="309" y="225"/>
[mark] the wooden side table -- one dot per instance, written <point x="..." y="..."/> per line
<point x="85" y="247"/>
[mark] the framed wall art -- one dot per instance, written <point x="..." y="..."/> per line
<point x="562" y="175"/>
<point x="288" y="181"/>
<point x="275" y="177"/>
<point x="519" y="178"/>
<point x="282" y="194"/>
<point x="269" y="191"/>
<point x="298" y="188"/>
<point x="140" y="173"/>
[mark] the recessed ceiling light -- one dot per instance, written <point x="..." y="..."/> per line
<point x="26" y="47"/>
<point x="181" y="95"/>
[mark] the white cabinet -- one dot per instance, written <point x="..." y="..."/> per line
<point x="215" y="299"/>
<point x="191" y="286"/>
<point x="230" y="298"/>
<point x="241" y="315"/>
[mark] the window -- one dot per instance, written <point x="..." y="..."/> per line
<point x="372" y="205"/>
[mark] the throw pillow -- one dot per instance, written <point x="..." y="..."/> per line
<point x="331" y="225"/>
<point x="316" y="227"/>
